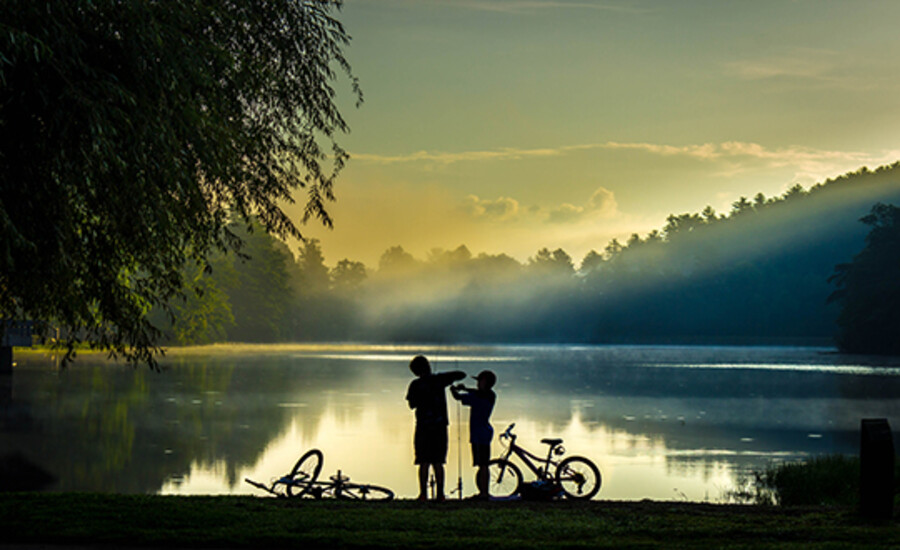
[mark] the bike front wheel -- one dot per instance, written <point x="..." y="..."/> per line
<point x="504" y="478"/>
<point x="352" y="491"/>
<point x="579" y="477"/>
<point x="305" y="473"/>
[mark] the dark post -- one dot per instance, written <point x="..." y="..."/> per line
<point x="876" y="469"/>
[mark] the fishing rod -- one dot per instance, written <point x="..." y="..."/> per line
<point x="459" y="485"/>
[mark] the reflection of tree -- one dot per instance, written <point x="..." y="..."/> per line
<point x="101" y="427"/>
<point x="742" y="416"/>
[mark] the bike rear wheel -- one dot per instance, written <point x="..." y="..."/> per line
<point x="504" y="478"/>
<point x="353" y="491"/>
<point x="305" y="473"/>
<point x="579" y="477"/>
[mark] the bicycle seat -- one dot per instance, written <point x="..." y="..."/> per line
<point x="339" y="478"/>
<point x="552" y="442"/>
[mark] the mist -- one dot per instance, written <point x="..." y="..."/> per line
<point x="758" y="274"/>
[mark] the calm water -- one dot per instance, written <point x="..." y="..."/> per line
<point x="668" y="423"/>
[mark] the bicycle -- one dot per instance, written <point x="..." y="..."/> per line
<point x="302" y="481"/>
<point x="578" y="477"/>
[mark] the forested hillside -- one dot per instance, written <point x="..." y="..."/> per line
<point x="757" y="274"/>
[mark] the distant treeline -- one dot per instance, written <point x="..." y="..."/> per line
<point x="757" y="274"/>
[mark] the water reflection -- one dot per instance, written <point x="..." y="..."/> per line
<point x="661" y="422"/>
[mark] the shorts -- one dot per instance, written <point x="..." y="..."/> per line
<point x="430" y="444"/>
<point x="481" y="454"/>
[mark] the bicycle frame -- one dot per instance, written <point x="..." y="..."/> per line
<point x="526" y="456"/>
<point x="338" y="486"/>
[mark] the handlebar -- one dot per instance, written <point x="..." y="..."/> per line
<point x="508" y="433"/>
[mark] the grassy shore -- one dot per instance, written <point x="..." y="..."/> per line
<point x="242" y="522"/>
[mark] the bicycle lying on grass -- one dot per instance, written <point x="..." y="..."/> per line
<point x="302" y="481"/>
<point x="576" y="476"/>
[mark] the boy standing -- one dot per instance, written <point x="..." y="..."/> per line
<point x="427" y="397"/>
<point x="481" y="400"/>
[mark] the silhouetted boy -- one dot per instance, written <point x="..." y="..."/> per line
<point x="481" y="400"/>
<point x="427" y="397"/>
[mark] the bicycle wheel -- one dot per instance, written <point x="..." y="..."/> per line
<point x="353" y="491"/>
<point x="578" y="477"/>
<point x="305" y="473"/>
<point x="504" y="478"/>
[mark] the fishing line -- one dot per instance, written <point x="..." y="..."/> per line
<point x="459" y="484"/>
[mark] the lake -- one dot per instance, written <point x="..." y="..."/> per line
<point x="661" y="422"/>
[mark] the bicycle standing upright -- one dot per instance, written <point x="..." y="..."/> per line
<point x="578" y="477"/>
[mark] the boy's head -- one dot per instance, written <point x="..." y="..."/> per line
<point x="420" y="366"/>
<point x="486" y="379"/>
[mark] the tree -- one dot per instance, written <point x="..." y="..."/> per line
<point x="258" y="287"/>
<point x="795" y="191"/>
<point x="591" y="261"/>
<point x="682" y="224"/>
<point x="313" y="273"/>
<point x="612" y="250"/>
<point x="133" y="133"/>
<point x="348" y="276"/>
<point x="741" y="206"/>
<point x="709" y="214"/>
<point x="448" y="258"/>
<point x="868" y="288"/>
<point x="396" y="261"/>
<point x="557" y="262"/>
<point x="202" y="315"/>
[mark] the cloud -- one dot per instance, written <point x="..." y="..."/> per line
<point x="705" y="151"/>
<point x="789" y="66"/>
<point x="451" y="158"/>
<point x="601" y="204"/>
<point x="728" y="158"/>
<point x="806" y="68"/>
<point x="565" y="213"/>
<point x="604" y="201"/>
<point x="500" y="209"/>
<point x="533" y="6"/>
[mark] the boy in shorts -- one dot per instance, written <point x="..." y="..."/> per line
<point x="427" y="397"/>
<point x="481" y="400"/>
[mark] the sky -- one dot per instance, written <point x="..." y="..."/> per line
<point x="513" y="125"/>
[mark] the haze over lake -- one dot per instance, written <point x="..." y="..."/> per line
<point x="661" y="422"/>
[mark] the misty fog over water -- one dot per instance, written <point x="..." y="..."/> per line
<point x="661" y="422"/>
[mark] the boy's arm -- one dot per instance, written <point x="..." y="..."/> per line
<point x="411" y="398"/>
<point x="449" y="377"/>
<point x="465" y="395"/>
<point x="455" y="392"/>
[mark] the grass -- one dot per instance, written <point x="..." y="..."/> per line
<point x="828" y="480"/>
<point x="244" y="522"/>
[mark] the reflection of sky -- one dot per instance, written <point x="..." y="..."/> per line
<point x="443" y="358"/>
<point x="661" y="423"/>
<point x="377" y="449"/>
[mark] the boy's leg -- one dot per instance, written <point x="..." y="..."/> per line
<point x="481" y="455"/>
<point x="423" y="481"/>
<point x="481" y="480"/>
<point x="439" y="481"/>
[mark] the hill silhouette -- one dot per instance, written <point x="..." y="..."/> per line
<point x="758" y="274"/>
